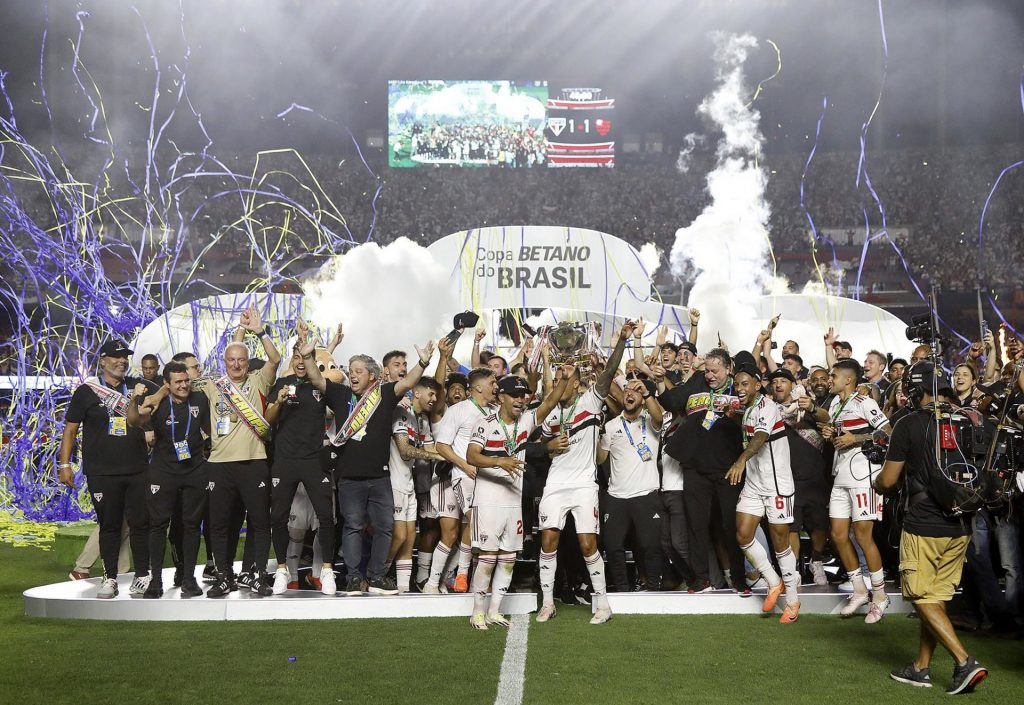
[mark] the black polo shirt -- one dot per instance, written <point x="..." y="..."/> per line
<point x="191" y="421"/>
<point x="300" y="427"/>
<point x="366" y="455"/>
<point x="103" y="453"/>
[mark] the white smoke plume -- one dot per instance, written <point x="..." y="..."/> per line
<point x="727" y="244"/>
<point x="690" y="143"/>
<point x="388" y="298"/>
<point x="650" y="257"/>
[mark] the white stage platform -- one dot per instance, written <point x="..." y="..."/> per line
<point x="77" y="600"/>
<point x="813" y="600"/>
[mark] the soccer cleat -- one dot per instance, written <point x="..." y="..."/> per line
<point x="966" y="677"/>
<point x="478" y="621"/>
<point x="772" y="597"/>
<point x="790" y="613"/>
<point x="461" y="583"/>
<point x="876" y="611"/>
<point x="499" y="619"/>
<point x="179" y="575"/>
<point x="221" y="587"/>
<point x="315" y="582"/>
<point x="706" y="586"/>
<point x="293" y="584"/>
<point x="545" y="613"/>
<point x="745" y="592"/>
<point x="430" y="590"/>
<point x="262" y="586"/>
<point x="246" y="580"/>
<point x="354" y="586"/>
<point x="818" y="573"/>
<point x="139" y="585"/>
<point x="190" y="588"/>
<point x="154" y="591"/>
<point x="383" y="585"/>
<point x="209" y="574"/>
<point x="854" y="602"/>
<point x="108" y="589"/>
<point x="910" y="675"/>
<point x="328" y="583"/>
<point x="281" y="579"/>
<point x="79" y="575"/>
<point x="602" y="615"/>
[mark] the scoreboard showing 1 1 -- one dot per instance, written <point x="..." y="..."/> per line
<point x="579" y="129"/>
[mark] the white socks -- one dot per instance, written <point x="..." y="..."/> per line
<point x="403" y="572"/>
<point x="790" y="575"/>
<point x="878" y="586"/>
<point x="595" y="566"/>
<point x="465" y="558"/>
<point x="502" y="579"/>
<point x="481" y="581"/>
<point x="547" y="564"/>
<point x="423" y="565"/>
<point x="437" y="564"/>
<point x="758" y="557"/>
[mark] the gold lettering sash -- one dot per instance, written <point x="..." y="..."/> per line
<point x="241" y="405"/>
<point x="359" y="416"/>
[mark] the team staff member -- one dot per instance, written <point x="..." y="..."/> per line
<point x="114" y="459"/>
<point x="177" y="467"/>
<point x="150" y="367"/>
<point x="706" y="445"/>
<point x="362" y="467"/>
<point x="298" y="408"/>
<point x="933" y="545"/>
<point x="631" y="440"/>
<point x="238" y="459"/>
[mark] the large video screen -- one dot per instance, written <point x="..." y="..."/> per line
<point x="467" y="123"/>
<point x="578" y="131"/>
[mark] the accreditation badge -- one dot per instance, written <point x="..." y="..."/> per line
<point x="223" y="425"/>
<point x="118" y="426"/>
<point x="181" y="450"/>
<point x="709" y="420"/>
<point x="644" y="451"/>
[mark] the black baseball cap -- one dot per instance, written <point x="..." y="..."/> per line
<point x="783" y="373"/>
<point x="687" y="345"/>
<point x="513" y="386"/>
<point x="750" y="370"/>
<point x="115" y="348"/>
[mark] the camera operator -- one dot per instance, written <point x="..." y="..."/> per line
<point x="933" y="543"/>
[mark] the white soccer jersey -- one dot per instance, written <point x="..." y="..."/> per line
<point x="418" y="432"/>
<point x="577" y="467"/>
<point x="859" y="415"/>
<point x="631" y="475"/>
<point x="769" y="473"/>
<point x="457" y="427"/>
<point x="495" y="487"/>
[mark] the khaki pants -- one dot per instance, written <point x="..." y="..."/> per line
<point x="91" y="552"/>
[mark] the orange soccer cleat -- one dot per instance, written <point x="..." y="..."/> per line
<point x="772" y="597"/>
<point x="790" y="613"/>
<point x="462" y="583"/>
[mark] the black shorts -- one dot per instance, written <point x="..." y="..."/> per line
<point x="810" y="506"/>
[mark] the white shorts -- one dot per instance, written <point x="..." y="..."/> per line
<point x="779" y="510"/>
<point x="498" y="529"/>
<point x="558" y="501"/>
<point x="301" y="517"/>
<point x="443" y="498"/>
<point x="464" y="488"/>
<point x="405" y="506"/>
<point x="855" y="503"/>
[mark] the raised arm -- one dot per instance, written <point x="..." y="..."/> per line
<point x="830" y="352"/>
<point x="413" y="376"/>
<point x="474" y="359"/>
<point x="307" y="351"/>
<point x="991" y="359"/>
<point x="650" y="403"/>
<point x="252" y="322"/>
<point x="339" y="335"/>
<point x="138" y="414"/>
<point x="605" y="380"/>
<point x="694" y="322"/>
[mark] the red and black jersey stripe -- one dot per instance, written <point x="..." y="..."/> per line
<point x="583" y="420"/>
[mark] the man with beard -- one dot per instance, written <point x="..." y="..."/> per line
<point x="451" y="442"/>
<point x="498" y="449"/>
<point x="114" y="461"/>
<point x="298" y="409"/>
<point x="177" y="471"/>
<point x="820" y="387"/>
<point x="631" y="441"/>
<point x="412" y="444"/>
<point x="810" y="505"/>
<point x="238" y="458"/>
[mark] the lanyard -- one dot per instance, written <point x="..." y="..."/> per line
<point x="643" y="430"/>
<point x="479" y="408"/>
<point x="188" y="424"/>
<point x="842" y="406"/>
<point x="418" y="443"/>
<point x="510" y="441"/>
<point x="572" y="414"/>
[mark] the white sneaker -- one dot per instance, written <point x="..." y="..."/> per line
<point x="601" y="616"/>
<point x="876" y="611"/>
<point x="430" y="590"/>
<point x="845" y="586"/>
<point x="139" y="585"/>
<point x="545" y="613"/>
<point x="478" y="621"/>
<point x="281" y="579"/>
<point x="818" y="573"/>
<point x="328" y="583"/>
<point x="854" y="602"/>
<point x="108" y="589"/>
